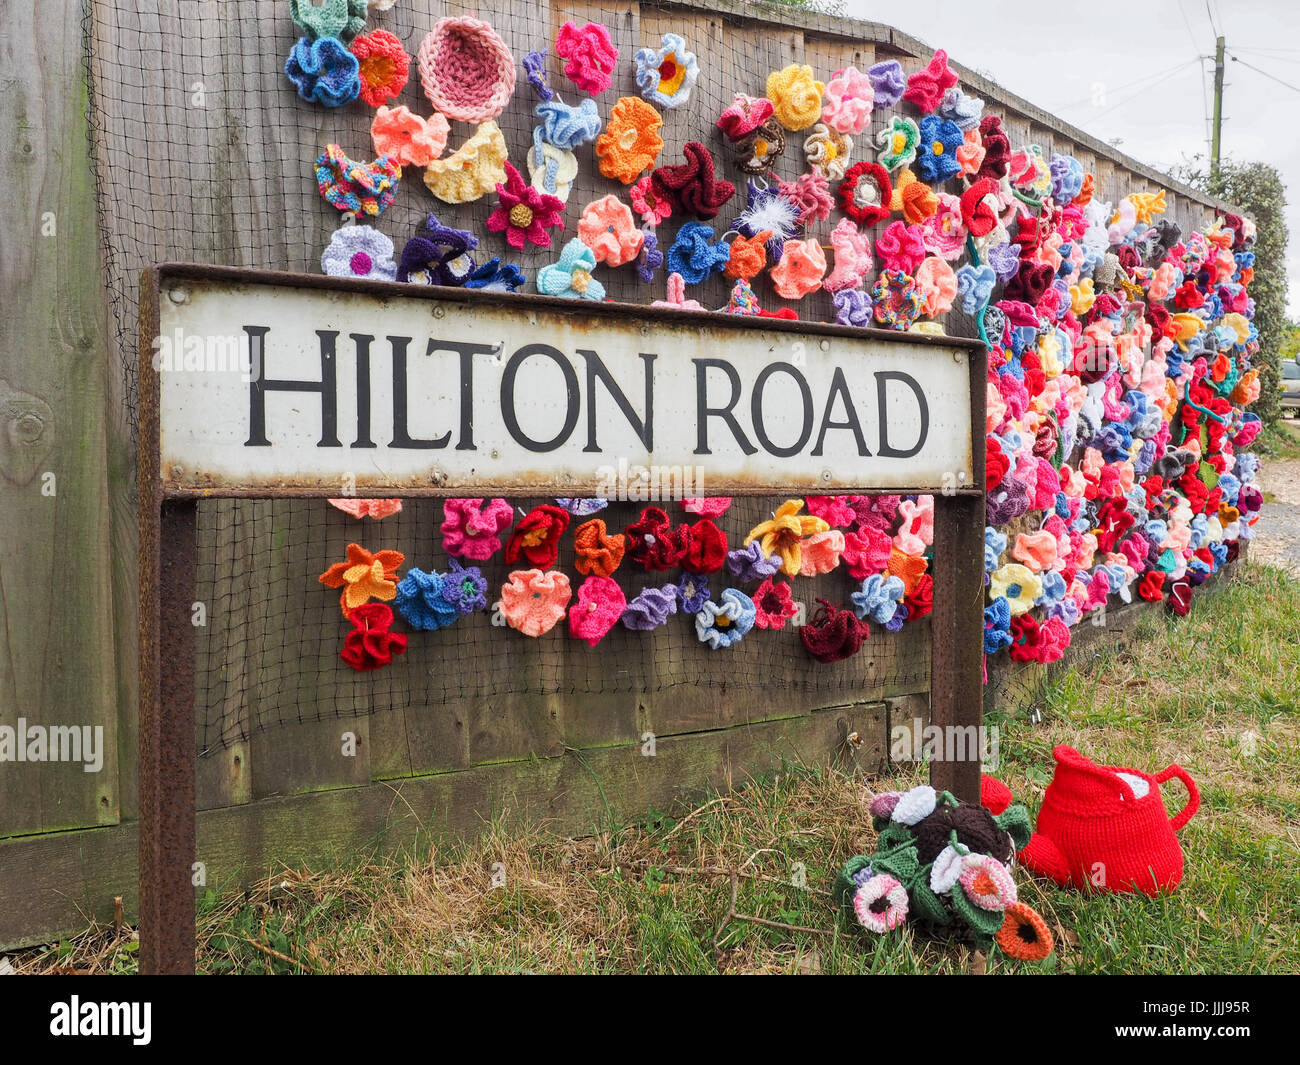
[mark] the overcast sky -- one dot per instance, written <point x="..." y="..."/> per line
<point x="1143" y="54"/>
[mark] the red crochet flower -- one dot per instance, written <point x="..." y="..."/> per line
<point x="706" y="548"/>
<point x="997" y="149"/>
<point x="996" y="465"/>
<point x="1024" y="639"/>
<point x="833" y="510"/>
<point x="691" y="187"/>
<point x="773" y="606"/>
<point x="370" y="645"/>
<point x="1188" y="297"/>
<point x="865" y="193"/>
<point x="976" y="214"/>
<point x="926" y="87"/>
<point x="1180" y="596"/>
<point x="653" y="542"/>
<point x="526" y="213"/>
<point x="384" y="66"/>
<point x="537" y="536"/>
<point x="920" y="601"/>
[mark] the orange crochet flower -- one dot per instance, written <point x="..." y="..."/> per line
<point x="748" y="256"/>
<point x="631" y="141"/>
<point x="800" y="270"/>
<point x="401" y="134"/>
<point x="821" y="552"/>
<point x="384" y="64"/>
<point x="532" y="601"/>
<point x="598" y="553"/>
<point x="1085" y="194"/>
<point x="910" y="568"/>
<point x="782" y="536"/>
<point x="915" y="199"/>
<point x="1024" y="934"/>
<point x="609" y="230"/>
<point x="364" y="576"/>
<point x="367" y="508"/>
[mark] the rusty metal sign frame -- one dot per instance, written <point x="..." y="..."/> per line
<point x="168" y="576"/>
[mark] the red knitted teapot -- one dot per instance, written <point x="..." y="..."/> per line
<point x="1105" y="829"/>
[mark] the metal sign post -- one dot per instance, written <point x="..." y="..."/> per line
<point x="273" y="385"/>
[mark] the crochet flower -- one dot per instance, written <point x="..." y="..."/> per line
<point x="667" y="75"/>
<point x="748" y="563"/>
<point x="406" y="138"/>
<point x="370" y="644"/>
<point x="766" y="210"/>
<point x="343" y="19"/>
<point x="937" y="284"/>
<point x="472" y="170"/>
<point x="800" y="269"/>
<point x="676" y="296"/>
<point x="944" y="232"/>
<point x="1024" y="934"/>
<point x="359" y="251"/>
<point x="986" y="882"/>
<point x="997" y="626"/>
<point x="534" y="64"/>
<point x="853" y="307"/>
<point x="706" y="548"/>
<point x="706" y="506"/>
<point x="472" y="530"/>
<point x="848" y="101"/>
<point x="748" y="256"/>
<point x="896" y="301"/>
<point x="913" y="199"/>
<point x="590" y="53"/>
<point x="565" y="126"/>
<point x="599" y="605"/>
<point x="383" y="66"/>
<point x="598" y="552"/>
<point x="926" y="87"/>
<point x="828" y="151"/>
<point x="580" y="506"/>
<point x="758" y="149"/>
<point x="781" y="536"/>
<point x="524" y="213"/>
<point x="975" y="287"/>
<point x="901" y="247"/>
<point x="465" y="588"/>
<point x="693" y="256"/>
<point x="551" y="170"/>
<point x="492" y="276"/>
<point x="324" y="72"/>
<point x="888" y="81"/>
<point x="364" y="576"/>
<point x="467" y="71"/>
<point x="939" y="142"/>
<point x="820" y="552"/>
<point x="609" y="230"/>
<point x="533" y="601"/>
<point x="744" y="115"/>
<point x="898" y="141"/>
<point x="652" y="208"/>
<point x="880" y="904"/>
<point x="571" y="275"/>
<point x="725" y="623"/>
<point x="692" y="592"/>
<point x="852" y="257"/>
<point x="438" y="255"/>
<point x="773" y="605"/>
<point x="1018" y="585"/>
<point x="878" y="598"/>
<point x="367" y="508"/>
<point x="796" y="96"/>
<point x="650" y="608"/>
<point x="650" y="260"/>
<point x="865" y="193"/>
<point x="691" y="187"/>
<point x="631" y="141"/>
<point x="420" y="601"/>
<point x="653" y="543"/>
<point x="350" y="185"/>
<point x="965" y="111"/>
<point x="811" y="194"/>
<point x="536" y="537"/>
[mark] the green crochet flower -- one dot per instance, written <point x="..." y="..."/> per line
<point x="898" y="142"/>
<point x="343" y="19"/>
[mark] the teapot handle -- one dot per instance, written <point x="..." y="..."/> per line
<point x="1193" y="795"/>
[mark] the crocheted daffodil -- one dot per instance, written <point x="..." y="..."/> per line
<point x="364" y="576"/>
<point x="781" y="535"/>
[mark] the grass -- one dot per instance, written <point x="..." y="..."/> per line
<point x="1280" y="440"/>
<point x="1215" y="692"/>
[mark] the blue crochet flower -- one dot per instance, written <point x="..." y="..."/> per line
<point x="694" y="257"/>
<point x="878" y="598"/>
<point x="975" y="287"/>
<point x="1053" y="588"/>
<point x="324" y="71"/>
<point x="1067" y="177"/>
<point x="961" y="110"/>
<point x="666" y="75"/>
<point x="994" y="544"/>
<point x="1067" y="610"/>
<point x="571" y="276"/>
<point x="438" y="255"/>
<point x="493" y="276"/>
<point x="1005" y="260"/>
<point x="465" y="588"/>
<point x="420" y="601"/>
<point x="997" y="626"/>
<point x="936" y="158"/>
<point x="692" y="592"/>
<point x="725" y="623"/>
<point x="564" y="126"/>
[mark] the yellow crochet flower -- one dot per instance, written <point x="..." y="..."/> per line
<point x="796" y="96"/>
<point x="1082" y="297"/>
<point x="1148" y="204"/>
<point x="472" y="170"/>
<point x="781" y="535"/>
<point x="1018" y="585"/>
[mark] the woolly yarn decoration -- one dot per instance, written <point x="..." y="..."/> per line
<point x="800" y="269"/>
<point x="465" y="588"/>
<point x="820" y="552"/>
<point x="631" y="142"/>
<point x="405" y="137"/>
<point x="650" y="608"/>
<point x="472" y="170"/>
<point x="783" y="534"/>
<point x="609" y="230"/>
<point x="383" y="66"/>
<point x="552" y="170"/>
<point x="766" y="209"/>
<point x="590" y="53"/>
<point x="827" y="151"/>
<point x="323" y="71"/>
<point x="913" y="199"/>
<point x="438" y="255"/>
<point x="653" y="543"/>
<point x="748" y="256"/>
<point x="926" y="87"/>
<point x="848" y="101"/>
<point x="796" y="96"/>
<point x="725" y="623"/>
<point x="743" y="299"/>
<point x="757" y="150"/>
<point x="598" y="552"/>
<point x="900" y="247"/>
<point x="343" y="19"/>
<point x="896" y="302"/>
<point x="370" y="644"/>
<point x="532" y="601"/>
<point x="888" y="82"/>
<point x="668" y="74"/>
<point x="962" y="110"/>
<point x="599" y="606"/>
<point x="852" y="307"/>
<point x="694" y="255"/>
<point x="938" y="146"/>
<point x="570" y="276"/>
<point x="976" y="213"/>
<point x="898" y="143"/>
<point x="359" y="252"/>
<point x="749" y="563"/>
<point x="937" y="283"/>
<point x="565" y="126"/>
<point x="363" y="576"/>
<point x="472" y="530"/>
<point x="367" y="508"/>
<point x="865" y="193"/>
<point x="363" y="188"/>
<point x="833" y="634"/>
<point x="690" y="188"/>
<point x="582" y="507"/>
<point x="534" y="65"/>
<point x="706" y="548"/>
<point x="536" y="536"/>
<point x="853" y="260"/>
<point x="651" y="260"/>
<point x="676" y="296"/>
<point x="420" y="601"/>
<point x="811" y="194"/>
<point x="744" y="115"/>
<point x="467" y="71"/>
<point x="692" y="592"/>
<point x="706" y="506"/>
<point x="525" y="214"/>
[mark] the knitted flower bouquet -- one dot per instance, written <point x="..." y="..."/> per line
<point x="944" y="867"/>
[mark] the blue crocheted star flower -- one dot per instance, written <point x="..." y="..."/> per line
<point x="421" y="602"/>
<point x="493" y="276"/>
<point x="936" y="158"/>
<point x="694" y="256"/>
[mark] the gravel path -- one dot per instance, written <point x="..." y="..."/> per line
<point x="1278" y="539"/>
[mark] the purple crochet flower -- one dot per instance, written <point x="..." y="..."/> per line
<point x="875" y="512"/>
<point x="1005" y="260"/>
<point x="535" y="68"/>
<point x="465" y="588"/>
<point x="888" y="82"/>
<point x="651" y="259"/>
<point x="852" y="307"/>
<point x="650" y="608"/>
<point x="583" y="508"/>
<point x="438" y="255"/>
<point x="692" y="593"/>
<point x="749" y="563"/>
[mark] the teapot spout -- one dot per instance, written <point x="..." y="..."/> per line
<point x="1043" y="857"/>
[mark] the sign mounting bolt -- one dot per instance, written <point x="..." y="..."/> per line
<point x="440" y="312"/>
<point x="178" y="295"/>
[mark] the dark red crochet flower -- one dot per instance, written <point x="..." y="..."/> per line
<point x="926" y="87"/>
<point x="691" y="187"/>
<point x="997" y="149"/>
<point x="1128" y="257"/>
<point x="1180" y="596"/>
<point x="653" y="542"/>
<point x="1031" y="281"/>
<point x="370" y="645"/>
<point x="706" y="547"/>
<point x="834" y="633"/>
<point x="537" y="536"/>
<point x="920" y="600"/>
<point x="525" y="213"/>
<point x="870" y="205"/>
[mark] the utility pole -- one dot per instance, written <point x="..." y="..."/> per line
<point x="1218" y="106"/>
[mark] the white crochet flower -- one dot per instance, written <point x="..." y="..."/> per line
<point x="359" y="251"/>
<point x="945" y="871"/>
<point x="916" y="805"/>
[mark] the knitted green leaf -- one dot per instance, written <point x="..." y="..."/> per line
<point x="981" y="920"/>
<point x="343" y="19"/>
<point x="901" y="862"/>
<point x="843" y="888"/>
<point x="925" y="904"/>
<point x="1014" y="821"/>
<point x="893" y="835"/>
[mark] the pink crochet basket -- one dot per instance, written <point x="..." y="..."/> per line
<point x="467" y="71"/>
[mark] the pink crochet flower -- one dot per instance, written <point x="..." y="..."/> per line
<point x="677" y="296"/>
<point x="590" y="53"/>
<point x="367" y="508"/>
<point x="600" y="604"/>
<point x="707" y="506"/>
<point x="471" y="530"/>
<point x="900" y="247"/>
<point x="1037" y="550"/>
<point x="525" y="213"/>
<point x="652" y="209"/>
<point x="866" y="552"/>
<point x="609" y="230"/>
<point x="811" y="194"/>
<point x="532" y="600"/>
<point x="938" y="286"/>
<point x="401" y="134"/>
<point x="944" y="232"/>
<point x="847" y="101"/>
<point x="970" y="154"/>
<point x="917" y="530"/>
<point x="820" y="552"/>
<point x="833" y="510"/>
<point x="926" y="87"/>
<point x="744" y="115"/>
<point x="800" y="270"/>
<point x="853" y="259"/>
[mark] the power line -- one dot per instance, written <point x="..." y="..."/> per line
<point x="1213" y="25"/>
<point x="1127" y="85"/>
<point x="1271" y="77"/>
<point x="1161" y="81"/>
